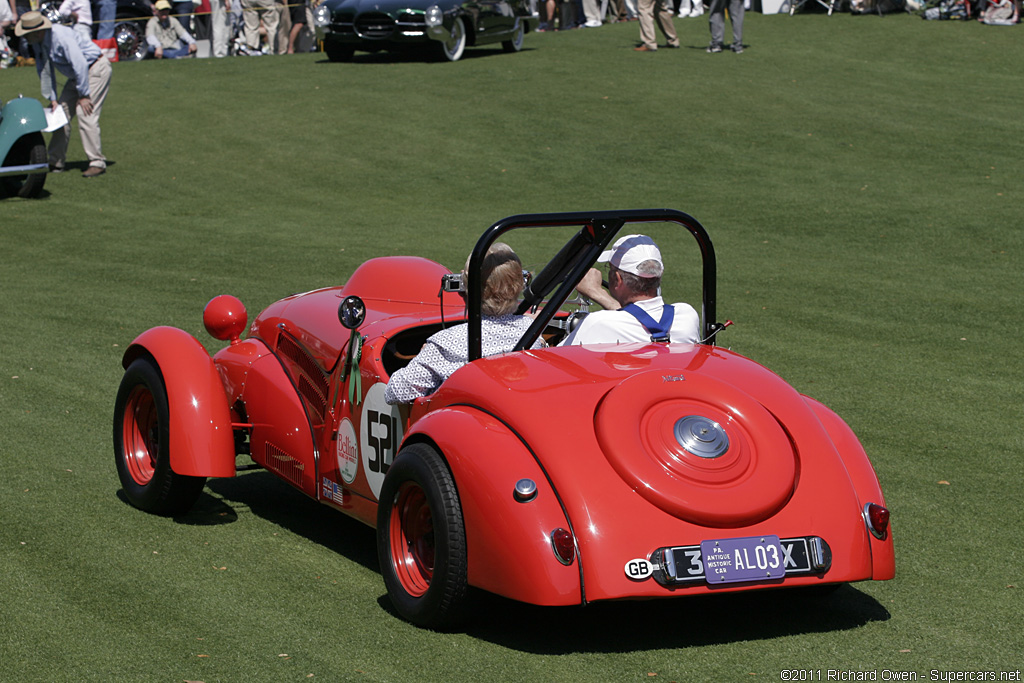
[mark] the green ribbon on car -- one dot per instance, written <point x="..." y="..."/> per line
<point x="355" y="380"/>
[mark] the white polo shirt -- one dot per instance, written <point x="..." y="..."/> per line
<point x="610" y="327"/>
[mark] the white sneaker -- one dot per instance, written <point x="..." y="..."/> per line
<point x="592" y="23"/>
<point x="697" y="11"/>
<point x="683" y="14"/>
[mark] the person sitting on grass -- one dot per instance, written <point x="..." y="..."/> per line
<point x="167" y="38"/>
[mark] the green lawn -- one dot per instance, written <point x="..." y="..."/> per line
<point x="861" y="178"/>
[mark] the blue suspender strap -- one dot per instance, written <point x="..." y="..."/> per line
<point x="658" y="329"/>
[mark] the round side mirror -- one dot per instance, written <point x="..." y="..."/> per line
<point x="225" y="318"/>
<point x="352" y="312"/>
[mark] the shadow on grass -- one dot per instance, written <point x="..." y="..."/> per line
<point x="599" y="627"/>
<point x="672" y="623"/>
<point x="410" y="56"/>
<point x="208" y="511"/>
<point x="269" y="498"/>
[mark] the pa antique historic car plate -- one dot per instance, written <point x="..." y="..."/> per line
<point x="752" y="558"/>
<point x="733" y="558"/>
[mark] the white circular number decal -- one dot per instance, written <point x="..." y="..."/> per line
<point x="380" y="436"/>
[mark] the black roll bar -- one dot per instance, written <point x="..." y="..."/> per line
<point x="598" y="230"/>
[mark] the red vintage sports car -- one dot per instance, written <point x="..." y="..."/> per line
<point x="553" y="476"/>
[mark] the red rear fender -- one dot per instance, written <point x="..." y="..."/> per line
<point x="865" y="483"/>
<point x="201" y="439"/>
<point x="509" y="547"/>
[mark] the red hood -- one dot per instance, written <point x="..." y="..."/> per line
<point x="399" y="291"/>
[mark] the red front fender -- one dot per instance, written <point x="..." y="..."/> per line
<point x="201" y="440"/>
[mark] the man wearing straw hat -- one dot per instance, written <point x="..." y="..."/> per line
<point x="59" y="48"/>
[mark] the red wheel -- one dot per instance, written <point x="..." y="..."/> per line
<point x="412" y="539"/>
<point x="141" y="448"/>
<point x="421" y="539"/>
<point x="141" y="434"/>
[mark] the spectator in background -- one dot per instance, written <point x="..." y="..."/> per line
<point x="221" y="22"/>
<point x="690" y="8"/>
<point x="592" y="12"/>
<point x="579" y="16"/>
<point x="19" y="7"/>
<point x="284" y="26"/>
<point x="624" y="10"/>
<point x="547" y="19"/>
<point x="80" y="12"/>
<point x="717" y="22"/>
<point x="1000" y="12"/>
<point x="252" y="12"/>
<point x="58" y="48"/>
<point x="649" y="10"/>
<point x="298" y="22"/>
<point x="6" y="19"/>
<point x="167" y="38"/>
<point x="107" y="17"/>
<point x="183" y="13"/>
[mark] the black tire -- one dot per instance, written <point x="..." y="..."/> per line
<point x="29" y="149"/>
<point x="453" y="49"/>
<point x="421" y="539"/>
<point x="515" y="44"/>
<point x="142" y="448"/>
<point x="339" y="53"/>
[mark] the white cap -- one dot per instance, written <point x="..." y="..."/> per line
<point x="630" y="251"/>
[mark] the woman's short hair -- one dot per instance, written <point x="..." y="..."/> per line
<point x="503" y="280"/>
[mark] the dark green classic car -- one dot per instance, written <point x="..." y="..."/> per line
<point x="444" y="26"/>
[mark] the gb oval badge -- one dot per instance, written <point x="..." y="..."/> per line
<point x="639" y="569"/>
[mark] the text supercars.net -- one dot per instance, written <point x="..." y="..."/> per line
<point x="891" y="675"/>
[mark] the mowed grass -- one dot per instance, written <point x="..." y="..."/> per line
<point x="861" y="178"/>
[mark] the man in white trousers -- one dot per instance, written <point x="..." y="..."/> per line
<point x="59" y="48"/>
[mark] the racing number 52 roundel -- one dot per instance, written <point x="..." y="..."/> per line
<point x="380" y="436"/>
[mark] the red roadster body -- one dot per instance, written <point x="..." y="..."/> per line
<point x="554" y="476"/>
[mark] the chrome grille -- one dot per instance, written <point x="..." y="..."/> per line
<point x="375" y="25"/>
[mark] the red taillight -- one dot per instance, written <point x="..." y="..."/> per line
<point x="563" y="545"/>
<point x="877" y="518"/>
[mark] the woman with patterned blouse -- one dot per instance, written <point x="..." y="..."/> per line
<point x="448" y="350"/>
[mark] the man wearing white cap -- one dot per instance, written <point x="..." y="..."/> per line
<point x="635" y="310"/>
<point x="58" y="48"/>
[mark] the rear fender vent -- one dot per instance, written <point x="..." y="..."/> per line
<point x="311" y="380"/>
<point x="283" y="464"/>
<point x="316" y="400"/>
